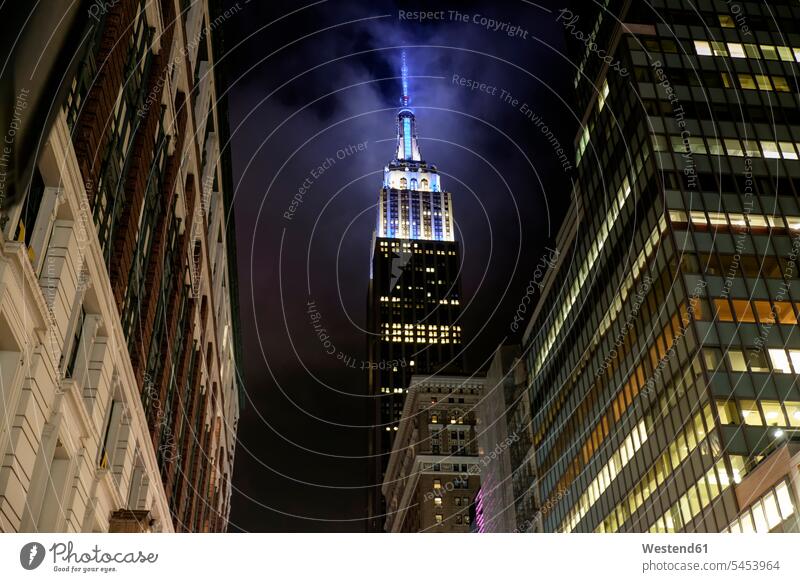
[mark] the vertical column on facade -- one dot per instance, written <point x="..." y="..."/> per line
<point x="83" y="358"/>
<point x="137" y="492"/>
<point x="52" y="469"/>
<point x="124" y="448"/>
<point x="59" y="281"/>
<point x="26" y="439"/>
<point x="51" y="200"/>
<point x="75" y="498"/>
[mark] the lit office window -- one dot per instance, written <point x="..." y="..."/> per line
<point x="770" y="52"/>
<point x="781" y="84"/>
<point x="702" y="48"/>
<point x="746" y="81"/>
<point x="784" y="500"/>
<point x="770" y="149"/>
<point x="736" y="361"/>
<point x="601" y="99"/>
<point x="763" y="82"/>
<point x="726" y="21"/>
<point x="727" y="412"/>
<point x="719" y="49"/>
<point x="780" y="361"/>
<point x="734" y="147"/>
<point x="750" y="413"/>
<point x="793" y="412"/>
<point x="736" y="50"/>
<point x="788" y="151"/>
<point x="752" y="51"/>
<point x="773" y="413"/>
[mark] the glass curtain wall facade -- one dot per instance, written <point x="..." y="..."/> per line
<point x="662" y="365"/>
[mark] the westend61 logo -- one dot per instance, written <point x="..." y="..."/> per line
<point x="66" y="559"/>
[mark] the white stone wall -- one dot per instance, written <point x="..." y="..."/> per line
<point x="54" y="422"/>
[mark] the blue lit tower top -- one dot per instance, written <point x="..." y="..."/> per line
<point x="413" y="205"/>
<point x="407" y="146"/>
<point x="404" y="76"/>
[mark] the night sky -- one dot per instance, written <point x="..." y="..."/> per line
<point x="308" y="85"/>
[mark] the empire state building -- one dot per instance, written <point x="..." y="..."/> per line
<point x="415" y="291"/>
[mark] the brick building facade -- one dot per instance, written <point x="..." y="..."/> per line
<point x="124" y="249"/>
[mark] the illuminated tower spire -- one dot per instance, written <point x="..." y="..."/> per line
<point x="407" y="146"/>
<point x="413" y="204"/>
<point x="404" y="74"/>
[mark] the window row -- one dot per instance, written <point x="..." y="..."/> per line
<point x="734" y="219"/>
<point x="459" y="519"/>
<point x="759" y="412"/>
<point x="763" y="516"/>
<point x="745" y="51"/>
<point x="754" y="360"/>
<point x="443" y="418"/>
<point x="459" y="501"/>
<point x="756" y="82"/>
<point x="731" y="265"/>
<point x="744" y="311"/>
<point x="714" y="80"/>
<point x="457" y="483"/>
<point x="730" y="145"/>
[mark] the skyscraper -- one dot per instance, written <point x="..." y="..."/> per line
<point x="434" y="472"/>
<point x="663" y="358"/>
<point x="414" y="295"/>
<point x="495" y="441"/>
